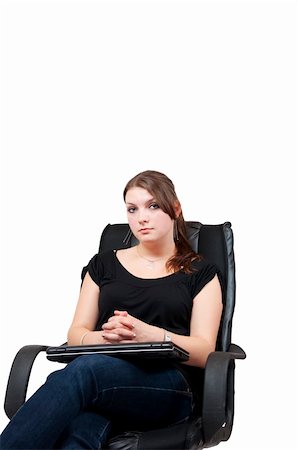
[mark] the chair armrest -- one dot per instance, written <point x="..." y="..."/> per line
<point x="218" y="395"/>
<point x="19" y="377"/>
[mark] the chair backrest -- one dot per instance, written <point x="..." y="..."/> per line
<point x="213" y="242"/>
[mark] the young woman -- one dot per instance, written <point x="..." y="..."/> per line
<point x="157" y="290"/>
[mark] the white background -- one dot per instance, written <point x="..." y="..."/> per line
<point x="92" y="92"/>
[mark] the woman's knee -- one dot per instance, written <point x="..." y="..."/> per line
<point x="81" y="368"/>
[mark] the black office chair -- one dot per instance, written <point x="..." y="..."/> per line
<point x="214" y="420"/>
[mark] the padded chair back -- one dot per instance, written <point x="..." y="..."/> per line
<point x="213" y="242"/>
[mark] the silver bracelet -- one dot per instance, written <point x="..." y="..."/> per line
<point x="83" y="337"/>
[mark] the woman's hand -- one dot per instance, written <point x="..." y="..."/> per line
<point x="122" y="327"/>
<point x="119" y="328"/>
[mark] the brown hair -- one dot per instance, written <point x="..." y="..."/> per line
<point x="163" y="190"/>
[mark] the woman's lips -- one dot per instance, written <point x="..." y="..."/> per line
<point x="145" y="230"/>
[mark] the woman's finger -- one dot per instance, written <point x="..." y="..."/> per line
<point x="124" y="321"/>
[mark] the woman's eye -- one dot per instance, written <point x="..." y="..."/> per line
<point x="154" y="206"/>
<point x="131" y="210"/>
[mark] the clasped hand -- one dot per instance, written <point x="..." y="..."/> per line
<point x="122" y="327"/>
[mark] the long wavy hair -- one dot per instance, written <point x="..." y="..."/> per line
<point x="163" y="190"/>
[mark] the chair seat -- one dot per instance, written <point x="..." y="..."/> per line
<point x="175" y="437"/>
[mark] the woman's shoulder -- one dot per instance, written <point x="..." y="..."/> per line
<point x="107" y="257"/>
<point x="100" y="260"/>
<point x="100" y="265"/>
<point x="202" y="263"/>
<point x="101" y="257"/>
<point x="203" y="271"/>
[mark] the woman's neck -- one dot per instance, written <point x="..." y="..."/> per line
<point x="154" y="252"/>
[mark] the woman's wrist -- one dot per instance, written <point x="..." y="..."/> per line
<point x="159" y="334"/>
<point x="92" y="337"/>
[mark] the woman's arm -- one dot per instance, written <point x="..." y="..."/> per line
<point x="204" y="325"/>
<point x="86" y="317"/>
<point x="205" y="320"/>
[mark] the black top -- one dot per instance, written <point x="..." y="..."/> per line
<point x="165" y="302"/>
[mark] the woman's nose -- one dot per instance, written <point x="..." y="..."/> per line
<point x="143" y="217"/>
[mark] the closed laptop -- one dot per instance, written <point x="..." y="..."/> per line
<point x="148" y="350"/>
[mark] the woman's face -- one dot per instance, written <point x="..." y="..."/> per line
<point x="146" y="219"/>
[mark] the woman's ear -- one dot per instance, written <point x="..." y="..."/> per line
<point x="177" y="209"/>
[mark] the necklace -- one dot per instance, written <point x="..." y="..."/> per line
<point x="150" y="262"/>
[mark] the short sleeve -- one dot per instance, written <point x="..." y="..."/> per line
<point x="204" y="272"/>
<point x="95" y="269"/>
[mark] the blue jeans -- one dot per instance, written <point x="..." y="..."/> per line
<point x="77" y="405"/>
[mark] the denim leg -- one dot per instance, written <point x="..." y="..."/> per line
<point x="88" y="430"/>
<point x="129" y="394"/>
